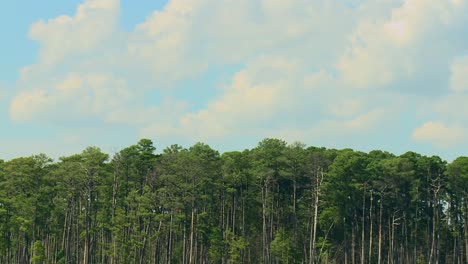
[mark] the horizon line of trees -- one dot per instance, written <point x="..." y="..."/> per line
<point x="275" y="203"/>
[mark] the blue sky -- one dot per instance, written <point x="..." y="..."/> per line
<point x="386" y="74"/>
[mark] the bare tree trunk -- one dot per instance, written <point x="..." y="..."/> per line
<point x="436" y="187"/>
<point x="294" y="212"/>
<point x="415" y="237"/>
<point x="391" y="254"/>
<point x="379" y="259"/>
<point x="370" y="228"/>
<point x="363" y="229"/>
<point x="191" y="235"/>
<point x="115" y="187"/>
<point x="243" y="223"/>
<point x="234" y="199"/>
<point x="431" y="256"/>
<point x="353" y="240"/>
<point x="86" y="243"/>
<point x="466" y="228"/>
<point x="407" y="250"/>
<point x="318" y="181"/>
<point x="169" y="243"/>
<point x="455" y="258"/>
<point x="311" y="235"/>
<point x="184" y="247"/>
<point x="264" y="228"/>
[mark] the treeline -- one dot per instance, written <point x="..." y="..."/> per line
<point x="275" y="203"/>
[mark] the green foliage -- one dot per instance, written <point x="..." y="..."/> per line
<point x="275" y="203"/>
<point x="236" y="244"/>
<point x="281" y="247"/>
<point x="39" y="253"/>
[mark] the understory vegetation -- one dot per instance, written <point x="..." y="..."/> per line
<point x="275" y="203"/>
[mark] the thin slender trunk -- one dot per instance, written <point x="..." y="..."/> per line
<point x="184" y="246"/>
<point x="294" y="212"/>
<point x="114" y="207"/>
<point x="143" y="248"/>
<point x="191" y="234"/>
<point x="363" y="229"/>
<point x="455" y="258"/>
<point x="415" y="236"/>
<point x="379" y="259"/>
<point x="436" y="187"/>
<point x="234" y="214"/>
<point x="318" y="181"/>
<point x="353" y="240"/>
<point x="392" y="239"/>
<point x="370" y="228"/>
<point x="311" y="235"/>
<point x="264" y="228"/>
<point x="169" y="243"/>
<point x="466" y="228"/>
<point x="431" y="256"/>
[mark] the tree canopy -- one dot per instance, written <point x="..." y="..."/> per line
<point x="275" y="203"/>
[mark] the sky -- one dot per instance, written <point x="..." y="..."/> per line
<point x="361" y="74"/>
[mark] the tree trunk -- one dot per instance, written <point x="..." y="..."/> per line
<point x="379" y="259"/>
<point x="465" y="201"/>
<point x="191" y="235"/>
<point x="363" y="229"/>
<point x="370" y="228"/>
<point x="318" y="180"/>
<point x="353" y="240"/>
<point x="294" y="212"/>
<point x="264" y="224"/>
<point x="311" y="239"/>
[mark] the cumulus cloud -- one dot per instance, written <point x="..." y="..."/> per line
<point x="408" y="41"/>
<point x="297" y="66"/>
<point x="275" y="93"/>
<point x="93" y="23"/>
<point x="75" y="97"/>
<point x="189" y="36"/>
<point x="440" y="134"/>
<point x="178" y="42"/>
<point x="255" y="95"/>
<point x="363" y="129"/>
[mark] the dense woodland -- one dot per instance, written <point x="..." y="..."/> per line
<point x="275" y="203"/>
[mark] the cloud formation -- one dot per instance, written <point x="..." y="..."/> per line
<point x="405" y="43"/>
<point x="79" y="96"/>
<point x="305" y="69"/>
<point x="60" y="38"/>
<point x="440" y="134"/>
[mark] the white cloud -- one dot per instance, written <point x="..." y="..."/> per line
<point x="441" y="134"/>
<point x="459" y="78"/>
<point x="299" y="62"/>
<point x="255" y="95"/>
<point x="176" y="43"/>
<point x="74" y="97"/>
<point x="94" y="23"/>
<point x="276" y="90"/>
<point x="189" y="36"/>
<point x="363" y="128"/>
<point x="401" y="44"/>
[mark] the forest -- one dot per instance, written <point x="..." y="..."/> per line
<point x="275" y="203"/>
